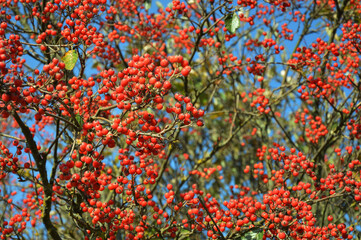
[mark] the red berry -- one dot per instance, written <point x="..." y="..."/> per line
<point x="282" y="235"/>
<point x="164" y="63"/>
<point x="200" y="123"/>
<point x="185" y="71"/>
<point x="167" y="85"/>
<point x="3" y="25"/>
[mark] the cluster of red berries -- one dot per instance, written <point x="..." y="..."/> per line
<point x="9" y="162"/>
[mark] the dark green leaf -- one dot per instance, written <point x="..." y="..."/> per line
<point x="79" y="119"/>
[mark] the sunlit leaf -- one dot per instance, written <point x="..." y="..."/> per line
<point x="70" y="58"/>
<point x="159" y="4"/>
<point x="232" y="22"/>
<point x="256" y="234"/>
<point x="214" y="115"/>
<point x="147" y="4"/>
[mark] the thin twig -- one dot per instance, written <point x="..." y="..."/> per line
<point x="205" y="208"/>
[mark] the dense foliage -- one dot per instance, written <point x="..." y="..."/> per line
<point x="192" y="119"/>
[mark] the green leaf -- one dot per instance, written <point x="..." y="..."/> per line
<point x="70" y="58"/>
<point x="96" y="65"/>
<point x="79" y="119"/>
<point x="159" y="4"/>
<point x="232" y="22"/>
<point x="256" y="234"/>
<point x="147" y="4"/>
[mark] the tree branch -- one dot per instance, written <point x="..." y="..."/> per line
<point x="41" y="164"/>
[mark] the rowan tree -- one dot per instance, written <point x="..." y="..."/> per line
<point x="183" y="119"/>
